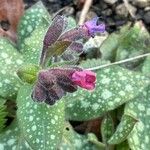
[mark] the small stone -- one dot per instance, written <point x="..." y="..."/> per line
<point x="68" y="11"/>
<point x="107" y="12"/>
<point x="147" y="17"/>
<point x="110" y="1"/>
<point x="121" y="10"/>
<point x="147" y="8"/>
<point x="141" y="3"/>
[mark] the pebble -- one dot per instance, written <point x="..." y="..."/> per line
<point x="121" y="10"/>
<point x="110" y="1"/>
<point x="147" y="17"/>
<point x="141" y="3"/>
<point x="107" y="12"/>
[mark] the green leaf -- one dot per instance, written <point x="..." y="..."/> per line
<point x="11" y="139"/>
<point x="57" y="49"/>
<point x="9" y="64"/>
<point x="41" y="125"/>
<point x="146" y="66"/>
<point x="93" y="63"/>
<point x="123" y="130"/>
<point x="107" y="128"/>
<point x="139" y="108"/>
<point x="3" y="114"/>
<point x="28" y="73"/>
<point x="33" y="17"/>
<point x="71" y="23"/>
<point x="74" y="141"/>
<point x="109" y="47"/>
<point x="32" y="46"/>
<point x="133" y="43"/>
<point x="114" y="87"/>
<point x="123" y="146"/>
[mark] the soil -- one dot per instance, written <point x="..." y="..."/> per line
<point x="113" y="12"/>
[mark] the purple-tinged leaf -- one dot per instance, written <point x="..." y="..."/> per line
<point x="58" y="25"/>
<point x="74" y="34"/>
<point x="54" y="31"/>
<point x="56" y="50"/>
<point x="70" y="56"/>
<point x="54" y="94"/>
<point x="76" y="47"/>
<point x="66" y="84"/>
<point x="39" y="93"/>
<point x="46" y="78"/>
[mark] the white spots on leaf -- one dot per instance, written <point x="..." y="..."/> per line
<point x="29" y="28"/>
<point x="37" y="140"/>
<point x="123" y="78"/>
<point x="1" y="84"/>
<point x="19" y="61"/>
<point x="31" y="118"/>
<point x="136" y="139"/>
<point x="117" y="100"/>
<point x="27" y="104"/>
<point x="8" y="61"/>
<point x="3" y="71"/>
<point x="11" y="142"/>
<point x="146" y="139"/>
<point x="141" y="107"/>
<point x="33" y="128"/>
<point x="95" y="106"/>
<point x="4" y="55"/>
<point x="148" y="111"/>
<point x="7" y="81"/>
<point x="122" y="93"/>
<point x="106" y="94"/>
<point x="52" y="137"/>
<point x="110" y="103"/>
<point x="53" y="121"/>
<point x="105" y="81"/>
<point x="56" y="117"/>
<point x="129" y="88"/>
<point x="14" y="148"/>
<point x="1" y="146"/>
<point x="85" y="104"/>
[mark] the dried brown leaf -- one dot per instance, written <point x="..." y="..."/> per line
<point x="11" y="12"/>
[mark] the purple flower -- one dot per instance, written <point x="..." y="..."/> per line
<point x="93" y="27"/>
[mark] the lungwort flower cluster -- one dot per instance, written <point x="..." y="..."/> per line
<point x="54" y="83"/>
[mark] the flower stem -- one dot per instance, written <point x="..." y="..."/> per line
<point x="119" y="62"/>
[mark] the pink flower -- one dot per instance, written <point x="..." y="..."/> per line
<point x="85" y="79"/>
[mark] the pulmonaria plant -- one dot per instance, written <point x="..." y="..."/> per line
<point x="53" y="84"/>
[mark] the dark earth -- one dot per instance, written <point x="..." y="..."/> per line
<point x="114" y="12"/>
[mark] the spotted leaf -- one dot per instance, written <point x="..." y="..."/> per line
<point x="41" y="124"/>
<point x="32" y="18"/>
<point x="123" y="130"/>
<point x="12" y="139"/>
<point x="3" y="113"/>
<point x="123" y="146"/>
<point x="32" y="45"/>
<point x="115" y="86"/>
<point x="74" y="141"/>
<point x="107" y="128"/>
<point x="146" y="66"/>
<point x="10" y="61"/>
<point x="133" y="43"/>
<point x="139" y="108"/>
